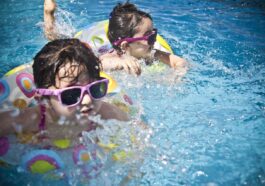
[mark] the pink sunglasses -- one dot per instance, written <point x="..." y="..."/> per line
<point x="71" y="96"/>
<point x="151" y="39"/>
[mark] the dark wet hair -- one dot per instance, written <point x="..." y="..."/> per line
<point x="123" y="21"/>
<point x="56" y="54"/>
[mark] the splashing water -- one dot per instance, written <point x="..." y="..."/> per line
<point x="208" y="128"/>
<point x="63" y="23"/>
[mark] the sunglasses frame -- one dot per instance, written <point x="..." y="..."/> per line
<point x="58" y="92"/>
<point x="133" y="39"/>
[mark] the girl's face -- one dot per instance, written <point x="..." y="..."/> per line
<point x="141" y="49"/>
<point x="73" y="75"/>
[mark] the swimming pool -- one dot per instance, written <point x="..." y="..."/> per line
<point x="209" y="128"/>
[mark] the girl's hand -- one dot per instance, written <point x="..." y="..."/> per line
<point x="130" y="65"/>
<point x="49" y="19"/>
<point x="127" y="63"/>
<point x="49" y="6"/>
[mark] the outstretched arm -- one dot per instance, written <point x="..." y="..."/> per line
<point x="49" y="26"/>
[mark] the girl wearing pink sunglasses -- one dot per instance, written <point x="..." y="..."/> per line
<point x="132" y="36"/>
<point x="66" y="74"/>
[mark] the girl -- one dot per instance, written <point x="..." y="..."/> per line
<point x="132" y="36"/>
<point x="69" y="90"/>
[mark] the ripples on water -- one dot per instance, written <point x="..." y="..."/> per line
<point x="208" y="129"/>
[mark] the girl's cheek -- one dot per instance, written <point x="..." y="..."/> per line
<point x="61" y="109"/>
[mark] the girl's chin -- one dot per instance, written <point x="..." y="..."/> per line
<point x="84" y="115"/>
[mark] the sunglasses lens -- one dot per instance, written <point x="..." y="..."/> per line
<point x="71" y="96"/>
<point x="152" y="39"/>
<point x="98" y="90"/>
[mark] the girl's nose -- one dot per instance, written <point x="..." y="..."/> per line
<point x="86" y="99"/>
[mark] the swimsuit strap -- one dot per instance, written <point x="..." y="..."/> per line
<point x="42" y="118"/>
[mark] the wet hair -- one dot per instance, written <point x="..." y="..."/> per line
<point x="123" y="21"/>
<point x="56" y="54"/>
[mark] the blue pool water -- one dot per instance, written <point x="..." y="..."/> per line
<point x="208" y="128"/>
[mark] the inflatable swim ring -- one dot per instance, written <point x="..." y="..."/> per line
<point x="89" y="158"/>
<point x="17" y="88"/>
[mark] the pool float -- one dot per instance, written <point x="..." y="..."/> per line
<point x="54" y="162"/>
<point x="17" y="88"/>
<point x="41" y="161"/>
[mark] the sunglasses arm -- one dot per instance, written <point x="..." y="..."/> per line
<point x="47" y="92"/>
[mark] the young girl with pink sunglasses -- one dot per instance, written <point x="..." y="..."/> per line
<point x="68" y="86"/>
<point x="132" y="35"/>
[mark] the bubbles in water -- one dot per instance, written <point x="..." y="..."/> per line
<point x="20" y="169"/>
<point x="211" y="184"/>
<point x="199" y="173"/>
<point x="89" y="137"/>
<point x="262" y="179"/>
<point x="63" y="23"/>
<point x="78" y="116"/>
<point x="147" y="86"/>
<point x="183" y="170"/>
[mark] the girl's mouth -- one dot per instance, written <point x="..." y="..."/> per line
<point x="86" y="111"/>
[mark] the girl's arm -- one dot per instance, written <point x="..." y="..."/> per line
<point x="49" y="19"/>
<point x="18" y="121"/>
<point x="6" y="126"/>
<point x="127" y="63"/>
<point x="173" y="61"/>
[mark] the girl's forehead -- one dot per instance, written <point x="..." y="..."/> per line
<point x="146" y="25"/>
<point x="71" y="74"/>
